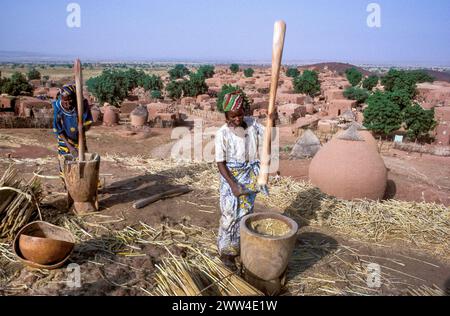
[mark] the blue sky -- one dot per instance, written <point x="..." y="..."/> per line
<point x="411" y="32"/>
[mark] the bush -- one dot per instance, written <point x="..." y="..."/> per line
<point x="234" y="68"/>
<point x="156" y="94"/>
<point x="195" y="85"/>
<point x="175" y="89"/>
<point x="370" y="82"/>
<point x="228" y="89"/>
<point x="292" y="72"/>
<point x="382" y="115"/>
<point x="207" y="71"/>
<point x="178" y="72"/>
<point x="151" y="83"/>
<point x="353" y="76"/>
<point x="307" y="83"/>
<point x="358" y="94"/>
<point x="16" y="85"/>
<point x="419" y="122"/>
<point x="33" y="74"/>
<point x="249" y="72"/>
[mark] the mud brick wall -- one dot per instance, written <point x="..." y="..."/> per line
<point x="207" y="115"/>
<point x="443" y="151"/>
<point x="25" y="122"/>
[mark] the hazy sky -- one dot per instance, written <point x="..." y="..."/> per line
<point x="412" y="31"/>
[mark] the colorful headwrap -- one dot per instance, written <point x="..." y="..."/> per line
<point x="68" y="90"/>
<point x="232" y="101"/>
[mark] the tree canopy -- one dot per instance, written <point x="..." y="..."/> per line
<point x="207" y="71"/>
<point x="370" y="82"/>
<point x="33" y="74"/>
<point x="16" y="85"/>
<point x="353" y="76"/>
<point x="249" y="72"/>
<point x="234" y="68"/>
<point x="178" y="72"/>
<point x="292" y="72"/>
<point x="307" y="82"/>
<point x="358" y="94"/>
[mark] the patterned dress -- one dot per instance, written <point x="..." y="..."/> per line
<point x="66" y="123"/>
<point x="240" y="152"/>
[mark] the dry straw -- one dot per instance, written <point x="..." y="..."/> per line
<point x="19" y="202"/>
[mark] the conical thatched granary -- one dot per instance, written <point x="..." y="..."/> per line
<point x="348" y="167"/>
<point x="364" y="133"/>
<point x="307" y="146"/>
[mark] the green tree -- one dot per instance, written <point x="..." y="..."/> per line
<point x="156" y="94"/>
<point x="207" y="71"/>
<point x="419" y="122"/>
<point x="234" y="68"/>
<point x="401" y="97"/>
<point x="420" y="76"/>
<point x="33" y="74"/>
<point x="249" y="72"/>
<point x="307" y="82"/>
<point x="292" y="72"/>
<point x="151" y="83"/>
<point x="195" y="85"/>
<point x="353" y="76"/>
<point x="16" y="85"/>
<point x="370" y="82"/>
<point x="175" y="89"/>
<point x="111" y="86"/>
<point x="178" y="72"/>
<point x="382" y="115"/>
<point x="358" y="94"/>
<point x="396" y="80"/>
<point x="229" y="89"/>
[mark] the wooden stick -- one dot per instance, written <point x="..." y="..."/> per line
<point x="170" y="193"/>
<point x="277" y="53"/>
<point x="79" y="87"/>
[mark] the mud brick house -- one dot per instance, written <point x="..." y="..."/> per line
<point x="32" y="107"/>
<point x="337" y="107"/>
<point x="442" y="117"/>
<point x="334" y="94"/>
<point x="7" y="103"/>
<point x="36" y="83"/>
<point x="53" y="93"/>
<point x="433" y="95"/>
<point x="287" y="98"/>
<point x="289" y="113"/>
<point x="40" y="91"/>
<point x="154" y="108"/>
<point x="128" y="106"/>
<point x="308" y="122"/>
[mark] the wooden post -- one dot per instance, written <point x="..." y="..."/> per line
<point x="277" y="53"/>
<point x="80" y="108"/>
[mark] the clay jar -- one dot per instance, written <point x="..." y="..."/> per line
<point x="110" y="116"/>
<point x="139" y="116"/>
<point x="349" y="167"/>
<point x="95" y="114"/>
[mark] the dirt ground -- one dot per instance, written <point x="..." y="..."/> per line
<point x="413" y="177"/>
